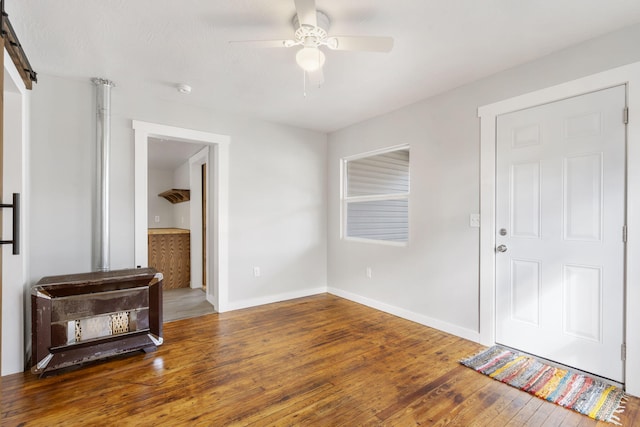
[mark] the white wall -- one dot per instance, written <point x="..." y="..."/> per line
<point x="170" y="214"/>
<point x="277" y="189"/>
<point x="160" y="180"/>
<point x="277" y="212"/>
<point x="181" y="210"/>
<point x="434" y="280"/>
<point x="62" y="162"/>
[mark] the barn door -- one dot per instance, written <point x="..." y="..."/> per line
<point x="560" y="217"/>
<point x="17" y="77"/>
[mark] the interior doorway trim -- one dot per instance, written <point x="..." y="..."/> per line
<point x="628" y="75"/>
<point x="196" y="218"/>
<point x="218" y="244"/>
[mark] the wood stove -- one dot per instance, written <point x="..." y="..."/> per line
<point x="79" y="318"/>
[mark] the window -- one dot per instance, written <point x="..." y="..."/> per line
<point x="375" y="202"/>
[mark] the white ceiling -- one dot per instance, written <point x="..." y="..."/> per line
<point x="166" y="154"/>
<point x="439" y="44"/>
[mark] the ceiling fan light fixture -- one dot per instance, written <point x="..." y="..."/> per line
<point x="311" y="32"/>
<point x="310" y="58"/>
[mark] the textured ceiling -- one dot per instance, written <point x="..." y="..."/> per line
<point x="165" y="154"/>
<point x="155" y="44"/>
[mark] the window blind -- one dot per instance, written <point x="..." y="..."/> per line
<point x="386" y="173"/>
<point x="379" y="220"/>
<point x="377" y="197"/>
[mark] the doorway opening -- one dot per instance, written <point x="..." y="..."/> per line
<point x="209" y="247"/>
<point x="176" y="221"/>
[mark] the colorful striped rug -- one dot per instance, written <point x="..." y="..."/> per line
<point x="583" y="394"/>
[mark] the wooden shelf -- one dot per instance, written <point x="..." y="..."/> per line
<point x="168" y="231"/>
<point x="176" y="195"/>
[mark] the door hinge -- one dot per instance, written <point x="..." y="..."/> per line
<point x="623" y="352"/>
<point x="625" y="115"/>
<point x="624" y="234"/>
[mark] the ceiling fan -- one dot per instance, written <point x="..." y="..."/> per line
<point x="311" y="28"/>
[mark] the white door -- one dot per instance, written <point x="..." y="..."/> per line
<point x="560" y="213"/>
<point x="14" y="284"/>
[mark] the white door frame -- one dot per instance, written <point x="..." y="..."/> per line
<point x="195" y="216"/>
<point x="218" y="243"/>
<point x="16" y="300"/>
<point x="628" y="75"/>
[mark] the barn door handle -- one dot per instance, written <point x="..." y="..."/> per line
<point x="16" y="223"/>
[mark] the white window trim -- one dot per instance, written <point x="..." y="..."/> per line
<point x="344" y="200"/>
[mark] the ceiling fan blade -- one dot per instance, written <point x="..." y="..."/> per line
<point x="316" y="78"/>
<point x="366" y="43"/>
<point x="306" y="10"/>
<point x="263" y="43"/>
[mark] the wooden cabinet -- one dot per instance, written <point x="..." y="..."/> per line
<point x="170" y="253"/>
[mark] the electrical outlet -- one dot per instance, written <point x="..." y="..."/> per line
<point x="368" y="272"/>
<point x="157" y="218"/>
<point x="474" y="220"/>
<point x="256" y="271"/>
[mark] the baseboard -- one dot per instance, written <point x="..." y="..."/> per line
<point x="254" y="302"/>
<point x="409" y="315"/>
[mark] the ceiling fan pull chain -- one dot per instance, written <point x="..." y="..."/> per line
<point x="304" y="83"/>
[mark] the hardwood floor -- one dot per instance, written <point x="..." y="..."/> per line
<point x="321" y="361"/>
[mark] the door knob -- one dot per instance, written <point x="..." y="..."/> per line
<point x="501" y="248"/>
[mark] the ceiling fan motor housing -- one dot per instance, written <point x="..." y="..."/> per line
<point x="310" y="36"/>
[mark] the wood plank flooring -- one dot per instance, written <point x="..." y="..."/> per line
<point x="321" y="361"/>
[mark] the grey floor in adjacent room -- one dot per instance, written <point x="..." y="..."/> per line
<point x="183" y="303"/>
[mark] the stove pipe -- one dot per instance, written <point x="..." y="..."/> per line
<point x="100" y="260"/>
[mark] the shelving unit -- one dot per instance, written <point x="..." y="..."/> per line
<point x="169" y="253"/>
<point x="176" y="195"/>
